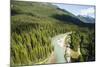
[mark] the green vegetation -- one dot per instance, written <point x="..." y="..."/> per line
<point x="34" y="24"/>
<point x="75" y="41"/>
<point x="86" y="42"/>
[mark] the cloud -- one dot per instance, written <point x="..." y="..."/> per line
<point x="88" y="11"/>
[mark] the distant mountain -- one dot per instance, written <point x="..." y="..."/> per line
<point x="50" y="12"/>
<point x="86" y="19"/>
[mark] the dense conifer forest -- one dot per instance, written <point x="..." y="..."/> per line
<point x="34" y="24"/>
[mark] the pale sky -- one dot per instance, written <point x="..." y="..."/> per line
<point x="78" y="9"/>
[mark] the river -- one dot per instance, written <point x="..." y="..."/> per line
<point x="59" y="50"/>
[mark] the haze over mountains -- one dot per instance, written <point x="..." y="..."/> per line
<point x="86" y="19"/>
<point x="84" y="13"/>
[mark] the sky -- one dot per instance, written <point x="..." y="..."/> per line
<point x="78" y="9"/>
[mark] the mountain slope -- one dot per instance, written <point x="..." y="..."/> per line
<point x="34" y="24"/>
<point x="86" y="19"/>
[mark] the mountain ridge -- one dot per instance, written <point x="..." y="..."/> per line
<point x="86" y="19"/>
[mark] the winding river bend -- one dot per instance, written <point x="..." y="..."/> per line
<point x="59" y="49"/>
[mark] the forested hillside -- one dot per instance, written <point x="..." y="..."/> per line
<point x="34" y="24"/>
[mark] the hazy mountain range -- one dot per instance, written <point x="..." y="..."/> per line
<point x="86" y="19"/>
